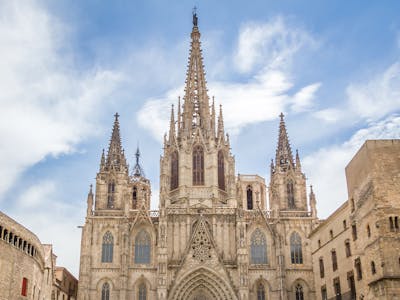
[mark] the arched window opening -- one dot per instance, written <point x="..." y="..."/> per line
<point x="249" y="194"/>
<point x="142" y="248"/>
<point x="110" y="196"/>
<point x="296" y="251"/>
<point x="134" y="198"/>
<point x="105" y="291"/>
<point x="221" y="171"/>
<point x="198" y="166"/>
<point x="142" y="292"/>
<point x="174" y="170"/>
<point x="258" y="247"/>
<point x="373" y="268"/>
<point x="290" y="194"/>
<point x="108" y="247"/>
<point x="260" y="292"/>
<point x="299" y="292"/>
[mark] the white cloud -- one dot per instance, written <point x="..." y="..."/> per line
<point x="273" y="44"/>
<point x="379" y="96"/>
<point x="266" y="92"/>
<point x="48" y="105"/>
<point x="53" y="221"/>
<point x="325" y="168"/>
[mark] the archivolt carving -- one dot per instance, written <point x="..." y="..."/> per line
<point x="202" y="281"/>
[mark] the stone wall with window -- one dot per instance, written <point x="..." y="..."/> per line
<point x="364" y="232"/>
<point x="25" y="265"/>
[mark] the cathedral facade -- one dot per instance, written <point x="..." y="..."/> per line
<point x="213" y="236"/>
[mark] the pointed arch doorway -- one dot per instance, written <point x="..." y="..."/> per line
<point x="202" y="284"/>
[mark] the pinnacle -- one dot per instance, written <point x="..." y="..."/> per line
<point x="284" y="154"/>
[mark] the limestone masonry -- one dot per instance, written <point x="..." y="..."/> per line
<point x="213" y="236"/>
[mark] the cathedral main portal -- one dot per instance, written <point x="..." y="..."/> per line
<point x="202" y="284"/>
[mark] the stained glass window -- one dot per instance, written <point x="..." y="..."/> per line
<point x="107" y="249"/>
<point x="221" y="171"/>
<point x="198" y="166"/>
<point x="249" y="194"/>
<point x="296" y="251"/>
<point x="174" y="170"/>
<point x="142" y="247"/>
<point x="258" y="247"/>
<point x="142" y="292"/>
<point x="105" y="291"/>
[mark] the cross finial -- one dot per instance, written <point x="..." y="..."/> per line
<point x="116" y="116"/>
<point x="281" y="116"/>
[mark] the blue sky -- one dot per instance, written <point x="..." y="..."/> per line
<point x="66" y="67"/>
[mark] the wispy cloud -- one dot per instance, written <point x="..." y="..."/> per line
<point x="48" y="104"/>
<point x="264" y="52"/>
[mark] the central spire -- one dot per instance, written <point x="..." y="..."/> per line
<point x="196" y="110"/>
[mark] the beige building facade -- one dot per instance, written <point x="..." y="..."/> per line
<point x="213" y="236"/>
<point x="356" y="251"/>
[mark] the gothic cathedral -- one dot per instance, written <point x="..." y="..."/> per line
<point x="213" y="236"/>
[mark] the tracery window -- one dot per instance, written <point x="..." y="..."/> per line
<point x="142" y="292"/>
<point x="299" y="292"/>
<point x="258" y="247"/>
<point x="107" y="248"/>
<point x="105" y="291"/>
<point x="174" y="170"/>
<point x="249" y="194"/>
<point x="290" y="194"/>
<point x="134" y="198"/>
<point x="296" y="251"/>
<point x="221" y="171"/>
<point x="110" y="196"/>
<point x="260" y="292"/>
<point x="198" y="166"/>
<point x="142" y="247"/>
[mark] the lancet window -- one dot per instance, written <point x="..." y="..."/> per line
<point x="258" y="247"/>
<point x="142" y="247"/>
<point x="175" y="170"/>
<point x="299" y="292"/>
<point x="110" y="196"/>
<point x="198" y="166"/>
<point x="134" y="197"/>
<point x="296" y="251"/>
<point x="142" y="292"/>
<point x="221" y="171"/>
<point x="105" y="291"/>
<point x="260" y="292"/>
<point x="107" y="247"/>
<point x="290" y="193"/>
<point x="249" y="196"/>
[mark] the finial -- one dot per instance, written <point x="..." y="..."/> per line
<point x="195" y="19"/>
<point x="116" y="116"/>
<point x="137" y="154"/>
<point x="90" y="189"/>
<point x="281" y="116"/>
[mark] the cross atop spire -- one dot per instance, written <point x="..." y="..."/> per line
<point x="195" y="19"/>
<point x="284" y="156"/>
<point x="115" y="155"/>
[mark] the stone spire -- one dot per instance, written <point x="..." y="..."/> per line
<point x="221" y="129"/>
<point x="137" y="169"/>
<point x="171" y="124"/>
<point x="313" y="203"/>
<point x="298" y="164"/>
<point x="115" y="155"/>
<point x="102" y="161"/>
<point x="179" y="117"/>
<point x="284" y="156"/>
<point x="196" y="110"/>
<point x="213" y="116"/>
<point x="89" y="202"/>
